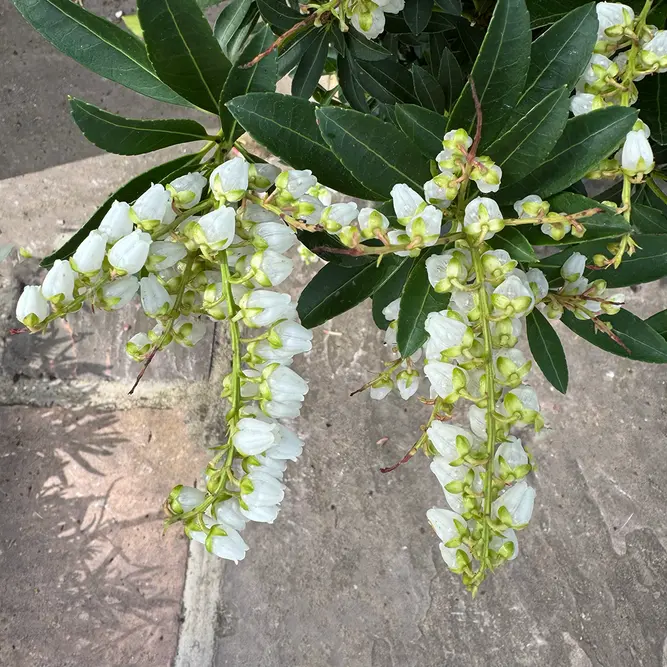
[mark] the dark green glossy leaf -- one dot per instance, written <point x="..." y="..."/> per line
<point x="642" y="342"/>
<point x="97" y="44"/>
<point x="418" y="299"/>
<point x="335" y="289"/>
<point x="309" y="70"/>
<point x="515" y="243"/>
<point x="658" y="323"/>
<point x="259" y="78"/>
<point x="163" y="173"/>
<point x="558" y="57"/>
<point x="585" y="141"/>
<point x="499" y="72"/>
<point x="389" y="290"/>
<point x="652" y="105"/>
<point x="546" y="12"/>
<point x="234" y="25"/>
<point x="288" y="128"/>
<point x="450" y="77"/>
<point x="292" y="52"/>
<point x="132" y="136"/>
<point x="428" y="90"/>
<point x="183" y="50"/>
<point x="547" y="350"/>
<point x="527" y="143"/>
<point x="450" y="6"/>
<point x="369" y="149"/>
<point x="352" y="90"/>
<point x="417" y="14"/>
<point x="437" y="43"/>
<point x="648" y="220"/>
<point x="387" y="80"/>
<point x="278" y="14"/>
<point x="423" y="127"/>
<point x="364" y="49"/>
<point x="337" y="38"/>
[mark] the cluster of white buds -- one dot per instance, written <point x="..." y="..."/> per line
<point x="208" y="245"/>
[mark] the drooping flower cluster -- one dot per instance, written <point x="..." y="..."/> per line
<point x="206" y="248"/>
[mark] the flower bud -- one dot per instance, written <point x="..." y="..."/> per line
<point x="184" y="499"/>
<point x="88" y="257"/>
<point x="261" y="490"/>
<point x="117" y="222"/>
<point x="450" y="528"/>
<point x="512" y="297"/>
<point x="187" y="332"/>
<point x="515" y="507"/>
<point x="442" y="269"/>
<point x="407" y="383"/>
<point x="482" y="218"/>
<point x="261" y="308"/>
<point x="282" y="384"/>
<point x="337" y="216"/>
<point x="381" y="388"/>
<point x="291" y="337"/>
<point x="58" y="285"/>
<point x="229" y="181"/>
<point x="215" y="230"/>
<point x="450" y="441"/>
<point x="274" y="235"/>
<point x="637" y="156"/>
<point x="486" y="175"/>
<point x="447" y="380"/>
<point x="32" y="308"/>
<point x="138" y="346"/>
<point x="407" y="203"/>
<point x="153" y="208"/>
<point x="287" y="445"/>
<point x="254" y="436"/>
<point x="511" y="459"/>
<point x="118" y="293"/>
<point x="371" y="222"/>
<point x="155" y="300"/>
<point x="294" y="183"/>
<point x="531" y="206"/>
<point x="538" y="283"/>
<point x="390" y="311"/>
<point x="186" y="190"/>
<point x="164" y="254"/>
<point x="271" y="268"/>
<point x="129" y="254"/>
<point x="261" y="176"/>
<point x="448" y="333"/>
<point x="573" y="268"/>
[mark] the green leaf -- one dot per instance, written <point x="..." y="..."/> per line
<point x="234" y="25"/>
<point x="418" y="299"/>
<point x="499" y="72"/>
<point x="545" y="12"/>
<point x="424" y="128"/>
<point x="450" y="77"/>
<point x="376" y="153"/>
<point x="547" y="350"/>
<point x="261" y="77"/>
<point x="97" y="44"/>
<point x="292" y="51"/>
<point x="387" y="80"/>
<point x="585" y="141"/>
<point x="558" y="57"/>
<point x="336" y="289"/>
<point x="132" y="136"/>
<point x="648" y="220"/>
<point x="652" y="104"/>
<point x="288" y="128"/>
<point x="658" y="323"/>
<point x="450" y="6"/>
<point x="163" y="173"/>
<point x="389" y="290"/>
<point x="417" y="14"/>
<point x="642" y="342"/>
<point x="309" y="70"/>
<point x="515" y="243"/>
<point x="278" y="14"/>
<point x="184" y="51"/>
<point x="527" y="143"/>
<point x="364" y="49"/>
<point x="428" y="90"/>
<point x="352" y="90"/>
<point x="131" y="22"/>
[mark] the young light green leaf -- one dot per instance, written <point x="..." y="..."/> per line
<point x="184" y="51"/>
<point x="387" y="80"/>
<point x="417" y="14"/>
<point x="132" y="136"/>
<point x="450" y="77"/>
<point x="642" y="342"/>
<point x="499" y="73"/>
<point x="585" y="141"/>
<point x="423" y="127"/>
<point x="97" y="44"/>
<point x="288" y="128"/>
<point x="131" y="22"/>
<point x="418" y="299"/>
<point x="309" y="70"/>
<point x="163" y="173"/>
<point x="652" y="92"/>
<point x="234" y="25"/>
<point x="527" y="143"/>
<point x="369" y="148"/>
<point x="547" y="350"/>
<point x="428" y="90"/>
<point x="558" y="57"/>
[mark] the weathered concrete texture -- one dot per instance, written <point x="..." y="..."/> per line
<point x="87" y="576"/>
<point x="351" y="574"/>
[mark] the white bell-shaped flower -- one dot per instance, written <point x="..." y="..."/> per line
<point x="291" y="337"/>
<point x="188" y="332"/>
<point x="442" y="269"/>
<point x="446" y="379"/>
<point x="447" y="333"/>
<point x="445" y="437"/>
<point x="445" y="474"/>
<point x="58" y="285"/>
<point x="482" y="215"/>
<point x="505" y="543"/>
<point x="118" y="293"/>
<point x="164" y="254"/>
<point x="369" y="23"/>
<point x="153" y="208"/>
<point x="262" y="514"/>
<point x="138" y="346"/>
<point x="477" y="421"/>
<point x="271" y="268"/>
<point x="613" y="15"/>
<point x="229" y="181"/>
<point x="637" y="155"/>
<point x="371" y="222"/>
<point x="188" y="189"/>
<point x="214" y="230"/>
<point x="281" y="409"/>
<point x="228" y="512"/>
<point x="512" y="453"/>
<point x="252" y="212"/>
<point x="513" y="297"/>
<point x="538" y="283"/>
<point x="260" y="490"/>
<point x="573" y="267"/>
<point x="117" y="222"/>
<point x="287" y="445"/>
<point x="155" y="300"/>
<point x="129" y="254"/>
<point x="390" y="311"/>
<point x="337" y="216"/>
<point x="221" y="540"/>
<point x="448" y="526"/>
<point x="406" y="202"/>
<point x="296" y="182"/>
<point x="88" y="257"/>
<point x="274" y="467"/>
<point x="185" y="498"/>
<point x="274" y="235"/>
<point x="262" y="176"/>
<point x="261" y="308"/>
<point x="254" y="436"/>
<point x="32" y="308"/>
<point x="407" y="383"/>
<point x="515" y="507"/>
<point x="280" y="383"/>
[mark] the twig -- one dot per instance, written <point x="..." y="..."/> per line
<point x="478" y="129"/>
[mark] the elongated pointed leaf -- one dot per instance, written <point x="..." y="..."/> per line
<point x="428" y="90"/>
<point x="335" y="289"/>
<point x="515" y="243"/>
<point x="418" y="299"/>
<point x="234" y="25"/>
<point x="129" y="192"/>
<point x="389" y="289"/>
<point x="352" y="90"/>
<point x="417" y="14"/>
<point x="364" y="49"/>
<point x="184" y="51"/>
<point x="423" y="127"/>
<point x="132" y="136"/>
<point x="658" y="323"/>
<point x="261" y="77"/>
<point x="642" y="342"/>
<point x="97" y="44"/>
<point x="558" y="57"/>
<point x="531" y="139"/>
<point x="648" y="220"/>
<point x="387" y="80"/>
<point x="292" y="52"/>
<point x="546" y="12"/>
<point x="499" y="73"/>
<point x="278" y="14"/>
<point x="450" y="6"/>
<point x="653" y="105"/>
<point x="288" y="128"/>
<point x="378" y="154"/>
<point x="585" y="141"/>
<point x="450" y="77"/>
<point x="309" y="70"/>
<point x="547" y="350"/>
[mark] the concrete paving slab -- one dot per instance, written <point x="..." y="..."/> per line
<point x="88" y="577"/>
